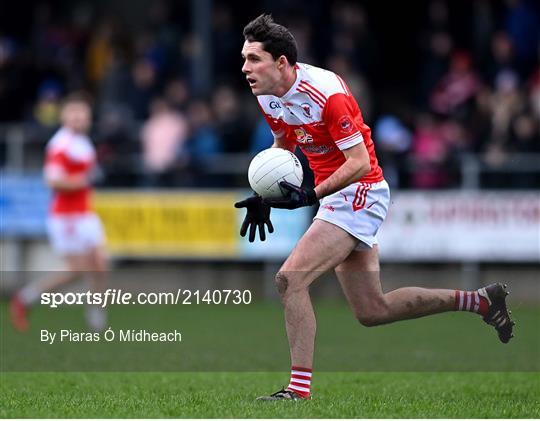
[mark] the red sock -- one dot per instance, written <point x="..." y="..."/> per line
<point x="471" y="301"/>
<point x="300" y="381"/>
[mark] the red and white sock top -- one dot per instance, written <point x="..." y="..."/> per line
<point x="300" y="381"/>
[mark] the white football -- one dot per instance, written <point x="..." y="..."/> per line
<point x="271" y="166"/>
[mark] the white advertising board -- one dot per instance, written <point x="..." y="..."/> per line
<point x="462" y="226"/>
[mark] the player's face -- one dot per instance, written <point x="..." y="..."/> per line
<point x="260" y="68"/>
<point x="77" y="116"/>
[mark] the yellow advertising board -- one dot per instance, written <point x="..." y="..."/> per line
<point x="179" y="223"/>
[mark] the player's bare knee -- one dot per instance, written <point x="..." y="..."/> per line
<point x="282" y="283"/>
<point x="369" y="319"/>
<point x="373" y="316"/>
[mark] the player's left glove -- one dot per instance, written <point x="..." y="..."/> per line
<point x="297" y="197"/>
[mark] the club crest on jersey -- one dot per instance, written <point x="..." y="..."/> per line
<point x="345" y="124"/>
<point x="302" y="136"/>
<point x="306" y="109"/>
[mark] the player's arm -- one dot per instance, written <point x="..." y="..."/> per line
<point x="67" y="182"/>
<point x="356" y="166"/>
<point x="57" y="178"/>
<point x="341" y="116"/>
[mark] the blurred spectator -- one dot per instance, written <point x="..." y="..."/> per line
<point x="231" y="124"/>
<point x="456" y="137"/>
<point x="116" y="144"/>
<point x="167" y="33"/>
<point x="435" y="63"/>
<point x="430" y="155"/>
<point x="163" y="138"/>
<point x="480" y="119"/>
<point x="501" y="58"/>
<point x="456" y="87"/>
<point x="116" y="81"/>
<point x="352" y="37"/>
<point x="190" y="46"/>
<point x="355" y="81"/>
<point x="514" y="129"/>
<point x="483" y="26"/>
<point x="393" y="141"/>
<point x="226" y="40"/>
<point x="488" y="105"/>
<point x="262" y="137"/>
<point x="436" y="43"/>
<point x="302" y="32"/>
<point x="203" y="143"/>
<point x="176" y="93"/>
<point x="525" y="133"/>
<point x="508" y="101"/>
<point x="151" y="52"/>
<point x="58" y="41"/>
<point x="46" y="112"/>
<point x="534" y="89"/>
<point x="523" y="26"/>
<point x="99" y="53"/>
<point x="18" y="81"/>
<point x="142" y="88"/>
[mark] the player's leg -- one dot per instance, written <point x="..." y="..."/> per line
<point x="94" y="238"/>
<point x="359" y="277"/>
<point x="98" y="267"/>
<point x="321" y="248"/>
<point x="75" y="265"/>
<point x="96" y="316"/>
<point x="67" y="239"/>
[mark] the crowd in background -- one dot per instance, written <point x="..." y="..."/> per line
<point x="467" y="82"/>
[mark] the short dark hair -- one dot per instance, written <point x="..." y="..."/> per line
<point x="275" y="38"/>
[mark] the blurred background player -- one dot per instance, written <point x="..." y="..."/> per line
<point x="75" y="231"/>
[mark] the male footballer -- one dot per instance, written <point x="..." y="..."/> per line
<point x="313" y="109"/>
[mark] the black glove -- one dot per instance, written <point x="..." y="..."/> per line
<point x="258" y="214"/>
<point x="297" y="197"/>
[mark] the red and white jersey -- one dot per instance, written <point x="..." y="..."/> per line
<point x="69" y="153"/>
<point x="320" y="115"/>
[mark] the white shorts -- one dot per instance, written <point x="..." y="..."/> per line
<point x="75" y="234"/>
<point x="359" y="209"/>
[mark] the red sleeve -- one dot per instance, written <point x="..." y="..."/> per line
<point x="343" y="119"/>
<point x="55" y="164"/>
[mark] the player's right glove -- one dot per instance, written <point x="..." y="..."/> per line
<point x="258" y="214"/>
<point x="297" y="197"/>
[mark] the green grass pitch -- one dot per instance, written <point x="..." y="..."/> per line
<point x="225" y="395"/>
<point x="446" y="366"/>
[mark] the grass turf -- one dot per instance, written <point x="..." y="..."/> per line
<point x="449" y="366"/>
<point x="231" y="395"/>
